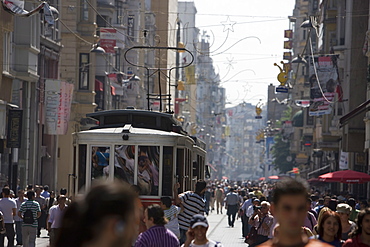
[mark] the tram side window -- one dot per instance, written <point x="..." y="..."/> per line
<point x="124" y="163"/>
<point x="180" y="168"/>
<point x="81" y="166"/>
<point x="100" y="162"/>
<point x="148" y="170"/>
<point x="167" y="171"/>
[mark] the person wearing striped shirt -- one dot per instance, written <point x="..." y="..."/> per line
<point x="29" y="230"/>
<point x="170" y="213"/>
<point x="157" y="234"/>
<point x="192" y="204"/>
<point x="262" y="221"/>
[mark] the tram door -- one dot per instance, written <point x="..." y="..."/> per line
<point x="180" y="167"/>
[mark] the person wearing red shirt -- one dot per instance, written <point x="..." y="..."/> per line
<point x="361" y="236"/>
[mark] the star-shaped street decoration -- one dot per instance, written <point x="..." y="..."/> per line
<point x="228" y="24"/>
<point x="230" y="62"/>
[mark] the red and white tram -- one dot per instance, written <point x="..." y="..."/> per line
<point x="145" y="148"/>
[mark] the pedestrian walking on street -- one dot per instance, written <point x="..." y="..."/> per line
<point x="232" y="206"/>
<point x="8" y="207"/>
<point x="54" y="221"/>
<point x="171" y="213"/>
<point x="156" y="235"/>
<point x="41" y="221"/>
<point x="17" y="219"/>
<point x="219" y="198"/>
<point x="104" y="217"/>
<point x="192" y="203"/>
<point x="29" y="212"/>
<point x="196" y="236"/>
<point x="289" y="206"/>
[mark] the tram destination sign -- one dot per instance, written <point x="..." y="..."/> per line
<point x="14" y="136"/>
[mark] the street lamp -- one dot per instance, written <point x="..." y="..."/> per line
<point x="97" y="49"/>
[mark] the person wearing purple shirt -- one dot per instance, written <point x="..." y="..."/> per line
<point x="157" y="234"/>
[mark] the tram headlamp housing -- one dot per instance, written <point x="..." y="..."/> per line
<point x="125" y="137"/>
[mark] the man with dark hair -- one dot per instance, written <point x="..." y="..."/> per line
<point x="289" y="207"/>
<point x="171" y="213"/>
<point x="29" y="226"/>
<point x="354" y="211"/>
<point x="192" y="203"/>
<point x="156" y="235"/>
<point x="361" y="236"/>
<point x="42" y="219"/>
<point x="9" y="209"/>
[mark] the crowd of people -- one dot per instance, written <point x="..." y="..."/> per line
<point x="23" y="216"/>
<point x="285" y="213"/>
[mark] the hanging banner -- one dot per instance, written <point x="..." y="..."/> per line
<point x="14" y="135"/>
<point x="64" y="111"/>
<point x="323" y="89"/>
<point x="108" y="39"/>
<point x="343" y="160"/>
<point x="52" y="90"/>
<point x="58" y="100"/>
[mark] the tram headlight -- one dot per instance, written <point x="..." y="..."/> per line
<point x="125" y="137"/>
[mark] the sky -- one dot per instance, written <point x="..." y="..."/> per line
<point x="246" y="38"/>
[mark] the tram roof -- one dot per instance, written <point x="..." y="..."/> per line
<point x="137" y="118"/>
<point x="133" y="130"/>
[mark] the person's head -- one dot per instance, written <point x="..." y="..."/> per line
<point x="333" y="204"/>
<point x="256" y="202"/>
<point x="105" y="214"/>
<point x="46" y="187"/>
<point x="30" y="195"/>
<point x="62" y="200"/>
<point x="200" y="187"/>
<point x="231" y="189"/>
<point x="265" y="207"/>
<point x="321" y="201"/>
<point x="166" y="202"/>
<point x="38" y="190"/>
<point x="344" y="210"/>
<point x="6" y="192"/>
<point x="63" y="191"/>
<point x="29" y="187"/>
<point x="20" y="193"/>
<point x="326" y="201"/>
<point x="154" y="216"/>
<point x="199" y="226"/>
<point x="52" y="194"/>
<point x="330" y="226"/>
<point x="363" y="223"/>
<point x="352" y="203"/>
<point x="289" y="205"/>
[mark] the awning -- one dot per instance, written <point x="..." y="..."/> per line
<point x="99" y="86"/>
<point x="113" y="90"/>
<point x="359" y="109"/>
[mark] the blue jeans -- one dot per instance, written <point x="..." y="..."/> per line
<point x="18" y="231"/>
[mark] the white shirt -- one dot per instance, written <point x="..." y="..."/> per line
<point x="55" y="216"/>
<point x="250" y="211"/>
<point x="6" y="207"/>
<point x="19" y="203"/>
<point x="210" y="243"/>
<point x="173" y="222"/>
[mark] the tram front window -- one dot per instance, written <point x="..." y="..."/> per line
<point x="124" y="163"/>
<point x="100" y="162"/>
<point x="148" y="170"/>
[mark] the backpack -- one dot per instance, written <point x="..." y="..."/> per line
<point x="28" y="217"/>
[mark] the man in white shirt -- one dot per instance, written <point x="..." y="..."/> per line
<point x="9" y="208"/>
<point x="55" y="218"/>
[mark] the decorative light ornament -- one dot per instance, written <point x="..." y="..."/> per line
<point x="282" y="77"/>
